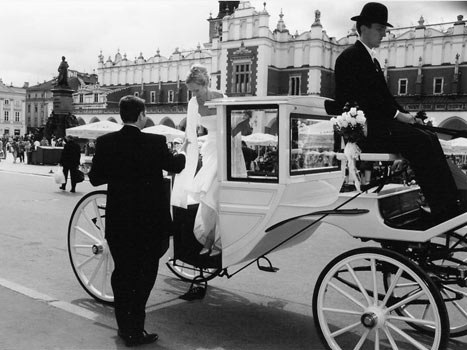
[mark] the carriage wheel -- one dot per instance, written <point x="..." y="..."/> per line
<point x="454" y="294"/>
<point x="87" y="247"/>
<point x="188" y="273"/>
<point x="353" y="310"/>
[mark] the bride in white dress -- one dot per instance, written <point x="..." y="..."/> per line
<point x="202" y="188"/>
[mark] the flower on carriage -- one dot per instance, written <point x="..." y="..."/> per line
<point x="350" y="124"/>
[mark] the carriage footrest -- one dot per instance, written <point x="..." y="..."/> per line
<point x="268" y="267"/>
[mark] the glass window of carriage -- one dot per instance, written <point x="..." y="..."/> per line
<point x="312" y="145"/>
<point x="252" y="143"/>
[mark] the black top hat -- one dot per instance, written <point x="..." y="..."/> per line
<point x="373" y="12"/>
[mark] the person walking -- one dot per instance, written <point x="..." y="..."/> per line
<point x="137" y="222"/>
<point x="70" y="160"/>
<point x="360" y="80"/>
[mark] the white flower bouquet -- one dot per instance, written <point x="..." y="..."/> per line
<point x="350" y="124"/>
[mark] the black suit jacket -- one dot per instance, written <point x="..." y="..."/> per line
<point x="358" y="80"/>
<point x="131" y="163"/>
<point x="71" y="155"/>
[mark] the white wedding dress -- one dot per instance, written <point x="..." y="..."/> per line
<point x="204" y="187"/>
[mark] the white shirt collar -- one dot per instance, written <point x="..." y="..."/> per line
<point x="371" y="52"/>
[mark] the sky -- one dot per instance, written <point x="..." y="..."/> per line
<point x="36" y="34"/>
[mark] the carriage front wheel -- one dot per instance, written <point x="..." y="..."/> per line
<point x="87" y="247"/>
<point x="353" y="309"/>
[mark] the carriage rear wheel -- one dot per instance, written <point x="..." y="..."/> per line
<point x="352" y="309"/>
<point x="454" y="292"/>
<point x="87" y="247"/>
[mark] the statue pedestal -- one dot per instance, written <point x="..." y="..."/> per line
<point x="62" y="112"/>
<point x="62" y="100"/>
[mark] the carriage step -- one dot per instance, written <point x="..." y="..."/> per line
<point x="266" y="268"/>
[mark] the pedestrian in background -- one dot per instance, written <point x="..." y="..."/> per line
<point x="70" y="160"/>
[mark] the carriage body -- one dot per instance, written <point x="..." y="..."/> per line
<point x="281" y="201"/>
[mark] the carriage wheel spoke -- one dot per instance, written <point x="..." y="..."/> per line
<point x="87" y="234"/>
<point x="86" y="261"/>
<point x="362" y="339"/>
<point x="376" y="339"/>
<point x="345" y="329"/>
<point x="392" y="286"/>
<point x="92" y="224"/>
<point x="347" y="295"/>
<point x="342" y="311"/>
<point x="359" y="284"/>
<point x="375" y="285"/>
<point x="405" y="301"/>
<point x="407" y="337"/>
<point x="94" y="273"/>
<point x="413" y="320"/>
<point x="390" y="339"/>
<point x="100" y="222"/>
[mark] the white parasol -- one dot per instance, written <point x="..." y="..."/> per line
<point x="260" y="139"/>
<point x="167" y="131"/>
<point x="93" y="130"/>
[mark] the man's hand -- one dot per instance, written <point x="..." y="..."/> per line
<point x="406" y="118"/>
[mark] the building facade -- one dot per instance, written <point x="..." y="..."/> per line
<point x="425" y="67"/>
<point x="12" y="110"/>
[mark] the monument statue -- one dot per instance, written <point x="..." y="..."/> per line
<point x="63" y="73"/>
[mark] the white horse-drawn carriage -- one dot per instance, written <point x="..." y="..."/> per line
<point x="408" y="289"/>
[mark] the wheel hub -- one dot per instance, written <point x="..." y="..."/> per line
<point x="369" y="320"/>
<point x="373" y="317"/>
<point x="97" y="249"/>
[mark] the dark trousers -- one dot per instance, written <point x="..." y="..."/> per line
<point x="67" y="170"/>
<point x="423" y="150"/>
<point x="132" y="280"/>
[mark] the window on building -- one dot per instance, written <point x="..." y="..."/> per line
<point x="17" y="115"/>
<point x="35" y="108"/>
<point x="438" y="85"/>
<point x="294" y="85"/>
<point x="96" y="98"/>
<point x="29" y="108"/>
<point x="7" y="102"/>
<point x="153" y="97"/>
<point x="6" y="115"/>
<point x="402" y="90"/>
<point x="81" y="98"/>
<point x="171" y="96"/>
<point x="241" y="78"/>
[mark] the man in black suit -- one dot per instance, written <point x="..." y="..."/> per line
<point x="360" y="80"/>
<point x="138" y="219"/>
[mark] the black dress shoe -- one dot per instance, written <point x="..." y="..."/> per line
<point x="138" y="339"/>
<point x="62" y="187"/>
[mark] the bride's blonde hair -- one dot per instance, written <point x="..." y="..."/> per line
<point x="198" y="74"/>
